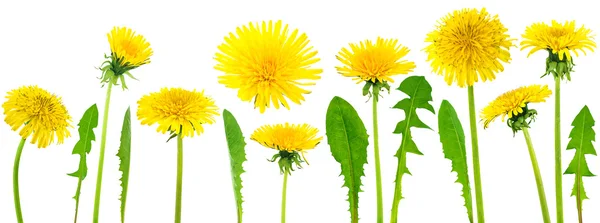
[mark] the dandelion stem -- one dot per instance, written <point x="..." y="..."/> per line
<point x="376" y="153"/>
<point x="283" y="194"/>
<point x="101" y="159"/>
<point x="557" y="153"/>
<point x="538" y="177"/>
<point x="79" y="181"/>
<point x="16" y="181"/>
<point x="179" y="178"/>
<point x="475" y="147"/>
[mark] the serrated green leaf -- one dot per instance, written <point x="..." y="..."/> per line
<point x="237" y="156"/>
<point x="348" y="141"/>
<point x="452" y="137"/>
<point x="87" y="123"/>
<point x="582" y="135"/>
<point x="419" y="96"/>
<point x="124" y="155"/>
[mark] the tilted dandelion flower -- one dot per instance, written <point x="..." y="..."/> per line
<point x="177" y="111"/>
<point x="37" y="113"/>
<point x="559" y="39"/>
<point x="268" y="64"/>
<point x="374" y="63"/>
<point x="514" y="103"/>
<point x="128" y="51"/>
<point x="467" y="45"/>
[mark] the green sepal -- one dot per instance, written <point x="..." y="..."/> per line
<point x="522" y="120"/>
<point x="558" y="68"/>
<point x="287" y="161"/>
<point x="113" y="71"/>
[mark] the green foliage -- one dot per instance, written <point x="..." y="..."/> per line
<point x="452" y="137"/>
<point x="419" y="96"/>
<point x="237" y="156"/>
<point x="348" y="140"/>
<point x="581" y="136"/>
<point x="124" y="155"/>
<point x="87" y="123"/>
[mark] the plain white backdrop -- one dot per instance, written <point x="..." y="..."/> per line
<point x="58" y="45"/>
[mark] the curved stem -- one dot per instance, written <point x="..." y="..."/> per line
<point x="475" y="147"/>
<point x="102" y="147"/>
<point x="179" y="178"/>
<point x="16" y="181"/>
<point x="538" y="177"/>
<point x="283" y="194"/>
<point x="376" y="154"/>
<point x="77" y="198"/>
<point x="557" y="153"/>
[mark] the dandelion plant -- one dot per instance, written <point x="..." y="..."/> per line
<point x="34" y="112"/>
<point x="559" y="40"/>
<point x="466" y="46"/>
<point x="375" y="63"/>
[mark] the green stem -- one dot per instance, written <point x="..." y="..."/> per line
<point x="101" y="160"/>
<point x="475" y="147"/>
<point x="538" y="177"/>
<point x="179" y="178"/>
<point x="79" y="181"/>
<point x="400" y="172"/>
<point x="557" y="153"/>
<point x="283" y="194"/>
<point x="16" y="181"/>
<point x="377" y="165"/>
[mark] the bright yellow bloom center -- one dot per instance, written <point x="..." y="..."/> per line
<point x="177" y="110"/>
<point x="287" y="137"/>
<point x="37" y="112"/>
<point x="467" y="45"/>
<point x="130" y="49"/>
<point x="375" y="62"/>
<point x="512" y="103"/>
<point x="267" y="64"/>
<point x="559" y="38"/>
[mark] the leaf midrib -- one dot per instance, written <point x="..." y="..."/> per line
<point x="581" y="155"/>
<point x="350" y="163"/>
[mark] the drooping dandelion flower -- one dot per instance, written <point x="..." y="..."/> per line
<point x="468" y="45"/>
<point x="177" y="110"/>
<point x="292" y="141"/>
<point x="39" y="114"/>
<point x="268" y="63"/>
<point x="515" y="105"/>
<point x="181" y="113"/>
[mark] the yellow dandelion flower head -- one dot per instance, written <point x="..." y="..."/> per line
<point x="374" y="62"/>
<point x="287" y="137"/>
<point x="130" y="50"/>
<point x="267" y="63"/>
<point x="514" y="102"/>
<point x="467" y="45"/>
<point x="177" y="110"/>
<point x="558" y="38"/>
<point x="39" y="113"/>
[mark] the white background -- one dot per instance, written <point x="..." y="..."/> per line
<point x="58" y="44"/>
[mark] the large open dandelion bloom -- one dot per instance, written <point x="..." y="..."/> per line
<point x="39" y="113"/>
<point x="177" y="110"/>
<point x="374" y="62"/>
<point x="559" y="38"/>
<point x="514" y="102"/>
<point x="467" y="45"/>
<point x="130" y="49"/>
<point x="287" y="137"/>
<point x="267" y="63"/>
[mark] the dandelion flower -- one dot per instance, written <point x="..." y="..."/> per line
<point x="177" y="110"/>
<point x="514" y="102"/>
<point x="267" y="63"/>
<point x="374" y="62"/>
<point x="287" y="137"/>
<point x="128" y="51"/>
<point x="39" y="113"/>
<point x="467" y="45"/>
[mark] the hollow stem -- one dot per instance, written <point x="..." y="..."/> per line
<point x="376" y="154"/>
<point x="475" y="148"/>
<point x="283" y="194"/>
<point x="538" y="177"/>
<point x="557" y="153"/>
<point x="101" y="159"/>
<point x="178" y="191"/>
<point x="16" y="181"/>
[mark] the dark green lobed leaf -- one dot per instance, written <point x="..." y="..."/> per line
<point x="124" y="155"/>
<point x="237" y="156"/>
<point x="87" y="123"/>
<point x="582" y="135"/>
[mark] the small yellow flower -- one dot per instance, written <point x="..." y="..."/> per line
<point x="468" y="44"/>
<point x="514" y="102"/>
<point x="177" y="110"/>
<point x="374" y="62"/>
<point x="287" y="137"/>
<point x="38" y="112"/>
<point x="267" y="63"/>
<point x="129" y="49"/>
<point x="559" y="38"/>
